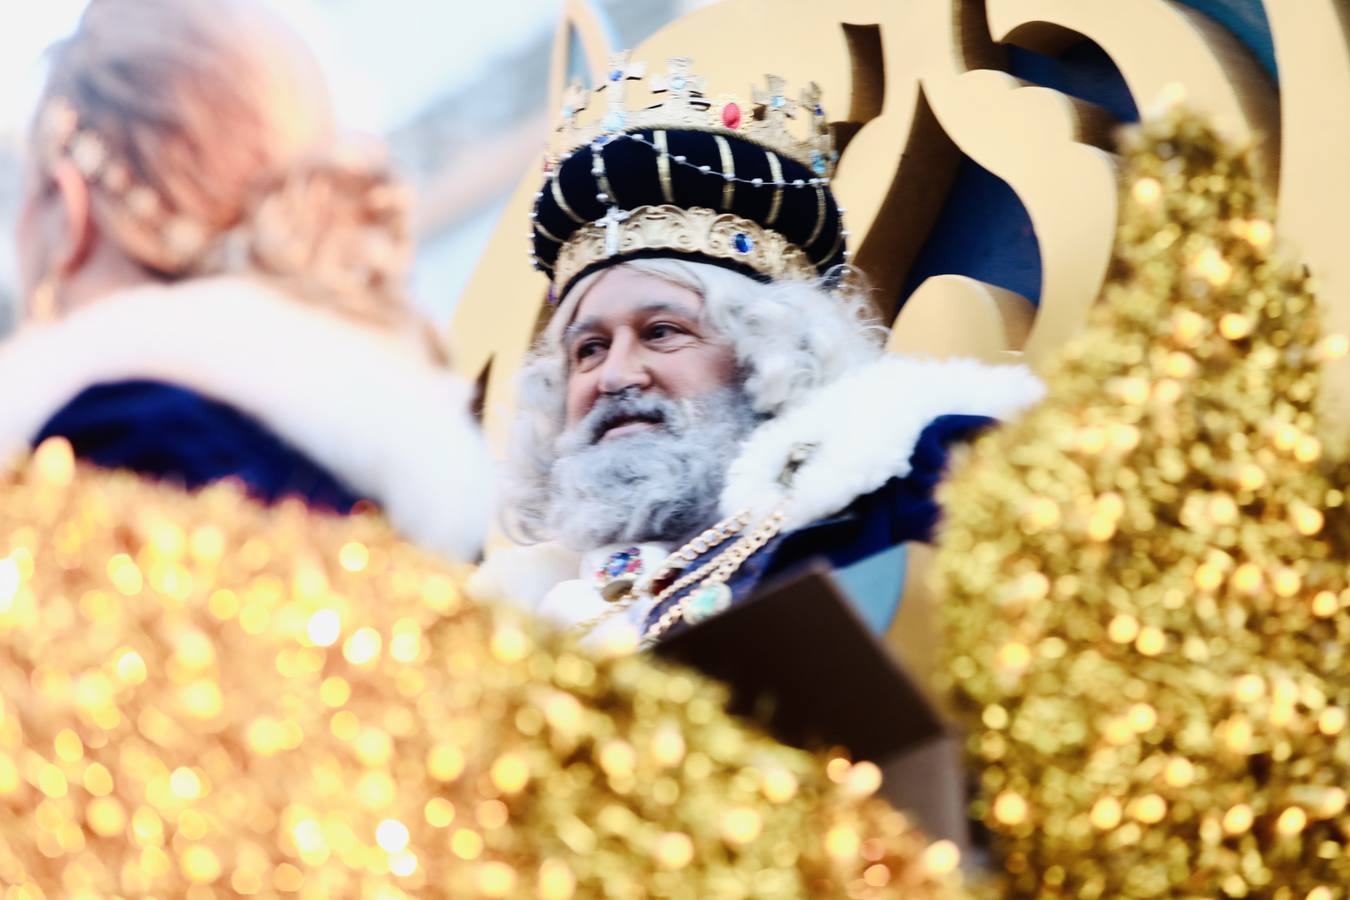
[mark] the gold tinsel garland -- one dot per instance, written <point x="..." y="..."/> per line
<point x="203" y="698"/>
<point x="1144" y="579"/>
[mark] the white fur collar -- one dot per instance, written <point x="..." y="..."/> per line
<point x="369" y="407"/>
<point x="865" y="426"/>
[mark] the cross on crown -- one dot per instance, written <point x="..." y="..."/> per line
<point x="811" y="100"/>
<point x="621" y="71"/>
<point x="621" y="66"/>
<point x="679" y="84"/>
<point x="775" y="105"/>
<point x="612" y="219"/>
<point x="575" y="99"/>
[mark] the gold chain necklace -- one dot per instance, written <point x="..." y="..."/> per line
<point x="676" y="561"/>
<point x="712" y="595"/>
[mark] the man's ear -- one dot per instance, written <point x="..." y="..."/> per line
<point x="72" y="222"/>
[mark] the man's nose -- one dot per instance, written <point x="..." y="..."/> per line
<point x="623" y="367"/>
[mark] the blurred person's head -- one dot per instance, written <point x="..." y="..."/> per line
<point x="179" y="138"/>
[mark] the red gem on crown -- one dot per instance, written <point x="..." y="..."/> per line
<point x="731" y="116"/>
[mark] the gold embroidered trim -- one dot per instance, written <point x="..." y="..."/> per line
<point x="546" y="233"/>
<point x="559" y="199"/>
<point x="820" y="217"/>
<point x="695" y="230"/>
<point x="663" y="166"/>
<point x="728" y="169"/>
<point x="601" y="179"/>
<point x="776" y="170"/>
<point x="838" y="242"/>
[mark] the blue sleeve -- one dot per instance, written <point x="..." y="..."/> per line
<point x="177" y="435"/>
<point x="910" y="504"/>
<point x="903" y="509"/>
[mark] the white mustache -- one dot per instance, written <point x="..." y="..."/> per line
<point x="612" y="410"/>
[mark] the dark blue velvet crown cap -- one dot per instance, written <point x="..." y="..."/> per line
<point x="632" y="171"/>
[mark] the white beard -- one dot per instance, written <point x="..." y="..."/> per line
<point x="660" y="484"/>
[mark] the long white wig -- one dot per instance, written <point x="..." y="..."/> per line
<point x="790" y="338"/>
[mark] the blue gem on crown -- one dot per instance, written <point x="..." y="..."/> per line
<point x="743" y="242"/>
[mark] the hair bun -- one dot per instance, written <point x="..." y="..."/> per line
<point x="336" y="225"/>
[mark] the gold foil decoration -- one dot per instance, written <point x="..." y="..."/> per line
<point x="202" y="698"/>
<point x="1163" y="544"/>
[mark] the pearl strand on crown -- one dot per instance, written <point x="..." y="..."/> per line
<point x="680" y="160"/>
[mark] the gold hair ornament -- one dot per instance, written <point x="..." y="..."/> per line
<point x="181" y="238"/>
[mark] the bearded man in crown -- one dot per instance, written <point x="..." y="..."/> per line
<point x="710" y="405"/>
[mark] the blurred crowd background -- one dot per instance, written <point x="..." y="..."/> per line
<point x="458" y="91"/>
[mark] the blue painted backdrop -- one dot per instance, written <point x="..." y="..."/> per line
<point x="984" y="231"/>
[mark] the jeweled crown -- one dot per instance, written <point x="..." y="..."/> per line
<point x="793" y="127"/>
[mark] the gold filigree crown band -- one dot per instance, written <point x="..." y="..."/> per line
<point x="696" y="231"/>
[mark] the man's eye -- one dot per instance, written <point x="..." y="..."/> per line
<point x="587" y="349"/>
<point x="663" y="330"/>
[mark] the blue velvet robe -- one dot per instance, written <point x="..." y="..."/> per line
<point x="173" y="434"/>
<point x="903" y="509"/>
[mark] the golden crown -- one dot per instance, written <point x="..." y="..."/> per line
<point x="792" y="127"/>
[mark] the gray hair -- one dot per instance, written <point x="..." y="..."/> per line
<point x="790" y="338"/>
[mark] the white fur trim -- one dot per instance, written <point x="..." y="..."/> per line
<point x="522" y="574"/>
<point x="369" y="407"/>
<point x="865" y="425"/>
